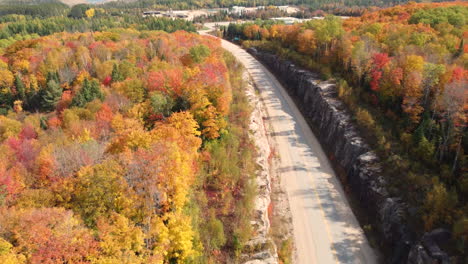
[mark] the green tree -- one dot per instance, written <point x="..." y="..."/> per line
<point x="6" y="100"/>
<point x="425" y="150"/>
<point x="20" y="89"/>
<point x="199" y="53"/>
<point x="327" y="30"/>
<point x="134" y="89"/>
<point x="116" y="74"/>
<point x="53" y="76"/>
<point x="432" y="74"/>
<point x="79" y="11"/>
<point x="214" y="232"/>
<point x="50" y="95"/>
<point x="454" y="15"/>
<point x="87" y="93"/>
<point x="161" y="103"/>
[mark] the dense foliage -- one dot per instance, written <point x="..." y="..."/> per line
<point x="18" y="27"/>
<point x="43" y="10"/>
<point x="189" y="4"/>
<point x="403" y="73"/>
<point x="48" y="8"/>
<point x="121" y="147"/>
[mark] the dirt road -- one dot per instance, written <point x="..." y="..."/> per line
<point x="325" y="229"/>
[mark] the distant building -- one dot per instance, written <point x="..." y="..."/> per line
<point x="289" y="20"/>
<point x="152" y="14"/>
<point x="238" y="10"/>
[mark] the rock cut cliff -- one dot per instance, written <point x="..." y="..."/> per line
<point x="360" y="167"/>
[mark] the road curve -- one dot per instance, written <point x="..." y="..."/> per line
<point x="325" y="228"/>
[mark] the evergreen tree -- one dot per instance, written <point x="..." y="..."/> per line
<point x="6" y="99"/>
<point x="87" y="93"/>
<point x="53" y="76"/>
<point x="116" y="74"/>
<point x="51" y="95"/>
<point x="43" y="123"/>
<point x="460" y="49"/>
<point x="20" y="89"/>
<point x="33" y="101"/>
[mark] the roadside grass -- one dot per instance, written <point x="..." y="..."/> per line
<point x="280" y="224"/>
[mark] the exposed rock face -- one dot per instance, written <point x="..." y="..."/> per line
<point x="347" y="150"/>
<point x="428" y="251"/>
<point x="263" y="250"/>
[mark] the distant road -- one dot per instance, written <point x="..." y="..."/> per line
<point x="325" y="229"/>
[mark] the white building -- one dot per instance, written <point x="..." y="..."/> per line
<point x="238" y="10"/>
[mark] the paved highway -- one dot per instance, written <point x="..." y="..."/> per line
<point x="325" y="228"/>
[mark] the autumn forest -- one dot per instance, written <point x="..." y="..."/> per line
<point x="126" y="139"/>
<point x="93" y="116"/>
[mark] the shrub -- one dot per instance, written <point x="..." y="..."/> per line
<point x="215" y="232"/>
<point x="425" y="150"/>
<point x="365" y="119"/>
<point x="439" y="205"/>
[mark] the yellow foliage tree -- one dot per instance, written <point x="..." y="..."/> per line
<point x="306" y="42"/>
<point x="211" y="125"/>
<point x="130" y="135"/>
<point x="182" y="128"/>
<point x="120" y="241"/>
<point x="82" y="75"/>
<point x="8" y="127"/>
<point x="412" y="87"/>
<point x="21" y="66"/>
<point x="181" y="237"/>
<point x="44" y="165"/>
<point x="90" y="12"/>
<point x="6" y="78"/>
<point x="8" y="256"/>
<point x="101" y="190"/>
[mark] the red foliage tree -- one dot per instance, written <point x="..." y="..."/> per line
<point x="8" y="181"/>
<point x="25" y="151"/>
<point x="52" y="235"/>
<point x="54" y="122"/>
<point x="28" y="132"/>
<point x="107" y="81"/>
<point x="379" y="60"/>
<point x="156" y="81"/>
